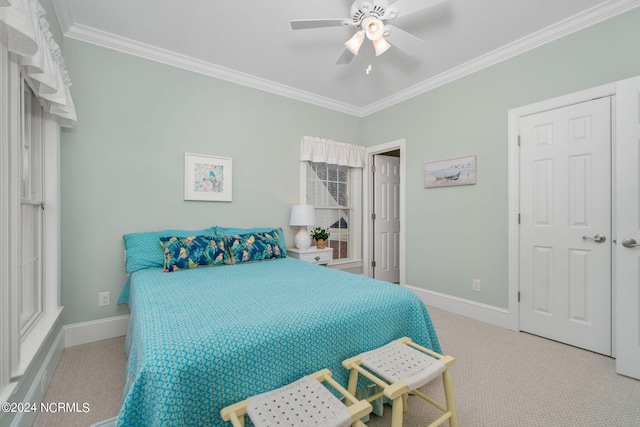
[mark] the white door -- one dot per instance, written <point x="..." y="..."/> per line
<point x="386" y="225"/>
<point x="628" y="227"/>
<point x="565" y="225"/>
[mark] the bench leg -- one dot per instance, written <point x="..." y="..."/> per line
<point x="397" y="411"/>
<point x="451" y="402"/>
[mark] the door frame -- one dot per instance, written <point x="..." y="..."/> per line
<point x="367" y="201"/>
<point x="514" y="191"/>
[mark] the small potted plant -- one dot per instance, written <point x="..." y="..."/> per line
<point x="320" y="234"/>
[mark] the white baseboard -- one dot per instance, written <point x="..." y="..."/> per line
<point x="69" y="336"/>
<point x="96" y="330"/>
<point x="485" y="313"/>
<point x="40" y="383"/>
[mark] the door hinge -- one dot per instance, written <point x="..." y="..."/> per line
<point x="373" y="169"/>
<point x="518" y="296"/>
<point x="373" y="216"/>
<point x="518" y="218"/>
<point x="518" y="140"/>
<point x="373" y="264"/>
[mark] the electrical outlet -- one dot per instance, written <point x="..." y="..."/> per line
<point x="104" y="298"/>
<point x="475" y="285"/>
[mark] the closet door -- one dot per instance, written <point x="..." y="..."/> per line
<point x="627" y="214"/>
<point x="565" y="233"/>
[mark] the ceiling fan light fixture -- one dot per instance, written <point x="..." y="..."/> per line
<point x="373" y="27"/>
<point x="354" y="43"/>
<point x="381" y="46"/>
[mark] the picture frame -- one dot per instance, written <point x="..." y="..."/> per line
<point x="207" y="178"/>
<point x="446" y="173"/>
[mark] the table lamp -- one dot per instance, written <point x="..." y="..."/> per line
<point x="303" y="216"/>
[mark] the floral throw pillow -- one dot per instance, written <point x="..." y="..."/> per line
<point x="190" y="252"/>
<point x="253" y="247"/>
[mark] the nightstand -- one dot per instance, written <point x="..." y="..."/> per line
<point x="312" y="255"/>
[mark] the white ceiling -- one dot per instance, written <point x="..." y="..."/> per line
<point x="251" y="42"/>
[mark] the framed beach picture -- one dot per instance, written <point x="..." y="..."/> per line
<point x="445" y="173"/>
<point x="207" y="178"/>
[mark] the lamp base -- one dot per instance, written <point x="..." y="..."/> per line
<point x="303" y="239"/>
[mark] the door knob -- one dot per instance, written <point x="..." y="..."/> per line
<point x="630" y="243"/>
<point x="598" y="238"/>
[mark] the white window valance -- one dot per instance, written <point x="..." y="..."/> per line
<point x="39" y="55"/>
<point x="333" y="152"/>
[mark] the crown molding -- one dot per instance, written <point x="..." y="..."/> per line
<point x="561" y="29"/>
<point x="554" y="32"/>
<point x="111" y="41"/>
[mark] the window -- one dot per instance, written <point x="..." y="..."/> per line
<point x="29" y="270"/>
<point x="30" y="291"/>
<point x="335" y="192"/>
<point x="35" y="101"/>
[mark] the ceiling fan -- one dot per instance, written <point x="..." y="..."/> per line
<point x="370" y="19"/>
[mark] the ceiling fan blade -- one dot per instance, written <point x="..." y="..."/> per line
<point x="303" y="24"/>
<point x="407" y="7"/>
<point x="345" y="57"/>
<point x="403" y="40"/>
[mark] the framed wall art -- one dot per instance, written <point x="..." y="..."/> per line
<point x="207" y="178"/>
<point x="445" y="173"/>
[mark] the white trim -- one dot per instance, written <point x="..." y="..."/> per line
<point x="5" y="226"/>
<point x="485" y="313"/>
<point x="367" y="203"/>
<point x="96" y="330"/>
<point x="345" y="265"/>
<point x="7" y="391"/>
<point x="51" y="219"/>
<point x="40" y="383"/>
<point x="33" y="341"/>
<point x="513" y="203"/>
<point x="15" y="115"/>
<point x="561" y="29"/>
<point x="355" y="232"/>
<point x="554" y="32"/>
<point x="614" y="225"/>
<point x="514" y="117"/>
<point x="143" y="50"/>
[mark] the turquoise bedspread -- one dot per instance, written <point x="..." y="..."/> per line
<point x="205" y="338"/>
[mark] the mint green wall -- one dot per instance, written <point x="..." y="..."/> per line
<point x="122" y="164"/>
<point x="456" y="234"/>
<point x="54" y="27"/>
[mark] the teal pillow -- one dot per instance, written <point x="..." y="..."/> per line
<point x="182" y="253"/>
<point x="276" y="233"/>
<point x="143" y="251"/>
<point x="253" y="247"/>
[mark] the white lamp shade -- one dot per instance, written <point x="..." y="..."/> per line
<point x="355" y="42"/>
<point x="373" y="27"/>
<point x="302" y="215"/>
<point x="381" y="46"/>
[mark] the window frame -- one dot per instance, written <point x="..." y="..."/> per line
<point x="17" y="351"/>
<point x="31" y="196"/>
<point x="355" y="215"/>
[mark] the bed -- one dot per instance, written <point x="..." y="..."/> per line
<point x="203" y="338"/>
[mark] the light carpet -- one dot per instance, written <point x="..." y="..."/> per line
<point x="501" y="378"/>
